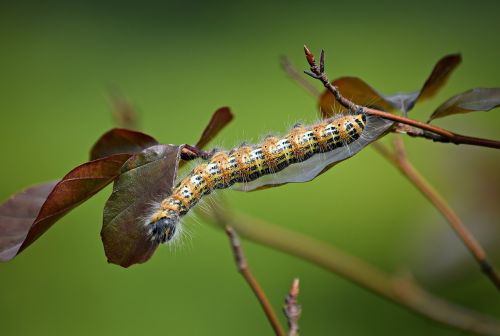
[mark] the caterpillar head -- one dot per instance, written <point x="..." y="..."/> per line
<point x="162" y="229"/>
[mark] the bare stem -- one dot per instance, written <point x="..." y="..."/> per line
<point x="317" y="72"/>
<point x="400" y="290"/>
<point x="400" y="160"/>
<point x="254" y="284"/>
<point x="292" y="309"/>
<point x="189" y="152"/>
<point x="454" y="138"/>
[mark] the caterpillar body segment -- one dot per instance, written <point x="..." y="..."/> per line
<point x="248" y="164"/>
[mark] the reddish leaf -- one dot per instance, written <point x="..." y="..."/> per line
<point x="17" y="216"/>
<point x="220" y="119"/>
<point x="121" y="141"/>
<point x="361" y="93"/>
<point x="356" y="90"/>
<point x="478" y="99"/>
<point x="27" y="215"/>
<point x="439" y="76"/>
<point x="144" y="179"/>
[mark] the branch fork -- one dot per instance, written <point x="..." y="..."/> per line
<point x="398" y="158"/>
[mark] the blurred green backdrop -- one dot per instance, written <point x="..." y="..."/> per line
<point x="179" y="61"/>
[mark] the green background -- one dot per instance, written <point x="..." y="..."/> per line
<point x="178" y="62"/>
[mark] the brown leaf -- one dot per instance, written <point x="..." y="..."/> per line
<point x="356" y="90"/>
<point x="478" y="99"/>
<point x="17" y="215"/>
<point x="121" y="141"/>
<point x="145" y="178"/>
<point x="27" y="215"/>
<point x="361" y="93"/>
<point x="439" y="76"/>
<point x="220" y="119"/>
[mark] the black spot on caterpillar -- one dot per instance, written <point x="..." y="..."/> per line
<point x="299" y="155"/>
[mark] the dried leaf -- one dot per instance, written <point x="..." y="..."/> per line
<point x="478" y="99"/>
<point x="121" y="141"/>
<point x="145" y="178"/>
<point x="27" y="215"/>
<point x="361" y="93"/>
<point x="219" y="120"/>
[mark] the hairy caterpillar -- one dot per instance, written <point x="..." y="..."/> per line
<point x="322" y="144"/>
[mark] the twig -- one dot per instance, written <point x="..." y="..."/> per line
<point x="243" y="269"/>
<point x="405" y="166"/>
<point x="189" y="152"/>
<point x="292" y="309"/>
<point x="454" y="138"/>
<point x="419" y="133"/>
<point x="317" y="72"/>
<point x="400" y="160"/>
<point x="402" y="291"/>
<point x="298" y="76"/>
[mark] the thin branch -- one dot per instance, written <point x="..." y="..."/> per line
<point x="189" y="152"/>
<point x="402" y="291"/>
<point x="256" y="288"/>
<point x="317" y="72"/>
<point x="405" y="166"/>
<point x="454" y="138"/>
<point x="292" y="309"/>
<point x="400" y="160"/>
<point x="419" y="133"/>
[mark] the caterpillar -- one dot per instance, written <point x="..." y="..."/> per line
<point x="323" y="143"/>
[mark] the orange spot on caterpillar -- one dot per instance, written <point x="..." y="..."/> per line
<point x="252" y="162"/>
<point x="269" y="143"/>
<point x="165" y="205"/>
<point x="242" y="157"/>
<point x="293" y="136"/>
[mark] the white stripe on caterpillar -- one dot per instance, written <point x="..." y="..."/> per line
<point x="298" y="156"/>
